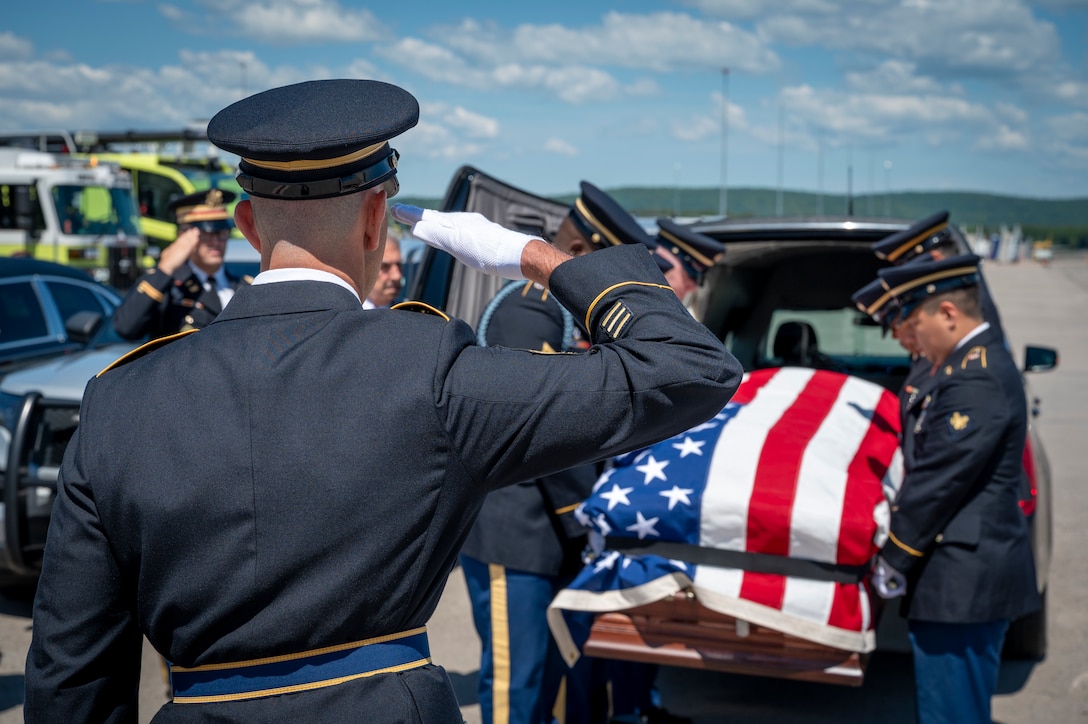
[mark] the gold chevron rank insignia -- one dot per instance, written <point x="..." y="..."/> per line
<point x="616" y="319"/>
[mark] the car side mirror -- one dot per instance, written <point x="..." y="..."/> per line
<point x="81" y="326"/>
<point x="1040" y="359"/>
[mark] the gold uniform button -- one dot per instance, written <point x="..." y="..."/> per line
<point x="940" y="537"/>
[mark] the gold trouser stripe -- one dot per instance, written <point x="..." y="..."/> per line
<point x="145" y="287"/>
<point x="314" y="164"/>
<point x="500" y="646"/>
<point x="589" y="312"/>
<point x="902" y="249"/>
<point x="559" y="711"/>
<point x="935" y="277"/>
<point x="305" y="654"/>
<point x="297" y="687"/>
<point x="566" y="509"/>
<point x="904" y="546"/>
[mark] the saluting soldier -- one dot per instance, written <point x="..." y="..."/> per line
<point x="958" y="545"/>
<point x="526" y="543"/>
<point x="189" y="286"/>
<point x="285" y="541"/>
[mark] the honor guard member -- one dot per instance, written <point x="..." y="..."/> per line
<point x="959" y="545"/>
<point x="511" y="584"/>
<point x="884" y="308"/>
<point x="284" y="542"/>
<point x="690" y="253"/>
<point x="189" y="286"/>
<point x="933" y="237"/>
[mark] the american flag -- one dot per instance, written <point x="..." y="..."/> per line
<point x="800" y="465"/>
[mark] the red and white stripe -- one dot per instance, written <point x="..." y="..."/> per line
<point x="800" y="471"/>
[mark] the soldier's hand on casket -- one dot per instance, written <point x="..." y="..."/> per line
<point x="888" y="582"/>
<point x="468" y="237"/>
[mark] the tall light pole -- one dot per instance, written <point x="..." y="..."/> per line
<point x="887" y="188"/>
<point x="778" y="210"/>
<point x="723" y="202"/>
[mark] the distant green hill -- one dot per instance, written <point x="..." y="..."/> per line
<point x="1063" y="220"/>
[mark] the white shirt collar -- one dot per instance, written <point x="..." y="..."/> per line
<point x="220" y="276"/>
<point x="972" y="334"/>
<point x="298" y="274"/>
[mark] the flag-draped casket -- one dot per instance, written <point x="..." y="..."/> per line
<point x="769" y="513"/>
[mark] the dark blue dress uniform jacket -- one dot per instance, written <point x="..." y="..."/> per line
<point x="161" y="304"/>
<point x="957" y="531"/>
<point x="531" y="526"/>
<point x="319" y="486"/>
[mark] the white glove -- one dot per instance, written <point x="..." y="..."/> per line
<point x="468" y="237"/>
<point x="888" y="582"/>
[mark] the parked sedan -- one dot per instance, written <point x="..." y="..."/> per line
<point x="37" y="300"/>
<point x="55" y="334"/>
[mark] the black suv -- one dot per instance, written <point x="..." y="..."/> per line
<point x="777" y="275"/>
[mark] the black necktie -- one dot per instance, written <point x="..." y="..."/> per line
<point x="213" y="302"/>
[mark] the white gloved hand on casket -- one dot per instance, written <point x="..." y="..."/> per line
<point x="469" y="237"/>
<point x="888" y="582"/>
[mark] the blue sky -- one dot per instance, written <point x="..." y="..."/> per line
<point x="919" y="95"/>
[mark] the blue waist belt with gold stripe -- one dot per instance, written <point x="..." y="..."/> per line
<point x="304" y="671"/>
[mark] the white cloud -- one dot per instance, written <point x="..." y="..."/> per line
<point x="1071" y="127"/>
<point x="657" y="41"/>
<point x="701" y="126"/>
<point x="574" y="84"/>
<point x="854" y="117"/>
<point x="15" y="48"/>
<point x="474" y="125"/>
<point x="432" y="140"/>
<point x="283" y="22"/>
<point x="891" y="76"/>
<point x="697" y="128"/>
<point x="561" y="147"/>
<point x="1003" y="138"/>
<point x="981" y="36"/>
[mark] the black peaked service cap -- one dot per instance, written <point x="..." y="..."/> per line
<point x="697" y="252"/>
<point x="206" y="210"/>
<point x="875" y="302"/>
<point x="910" y="284"/>
<point x="317" y="139"/>
<point x="603" y="222"/>
<point x="920" y="237"/>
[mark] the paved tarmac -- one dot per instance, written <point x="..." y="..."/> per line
<point x="1039" y="305"/>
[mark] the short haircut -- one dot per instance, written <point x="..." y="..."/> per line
<point x="966" y="300"/>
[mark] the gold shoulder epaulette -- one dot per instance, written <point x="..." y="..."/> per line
<point x="421" y="308"/>
<point x="144" y="349"/>
<point x="973" y="356"/>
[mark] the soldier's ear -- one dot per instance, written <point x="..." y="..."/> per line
<point x="374" y="209"/>
<point x="243" y="219"/>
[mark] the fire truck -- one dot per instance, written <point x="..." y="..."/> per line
<point x="79" y="211"/>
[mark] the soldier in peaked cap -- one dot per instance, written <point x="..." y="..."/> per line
<point x="690" y="254"/>
<point x="285" y="540"/>
<point x="959" y="545"/>
<point x="510" y="586"/>
<point x="189" y="286"/>
<point x="874" y="300"/>
<point x="934" y="238"/>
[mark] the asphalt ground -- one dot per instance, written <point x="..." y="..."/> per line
<point x="1039" y="305"/>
